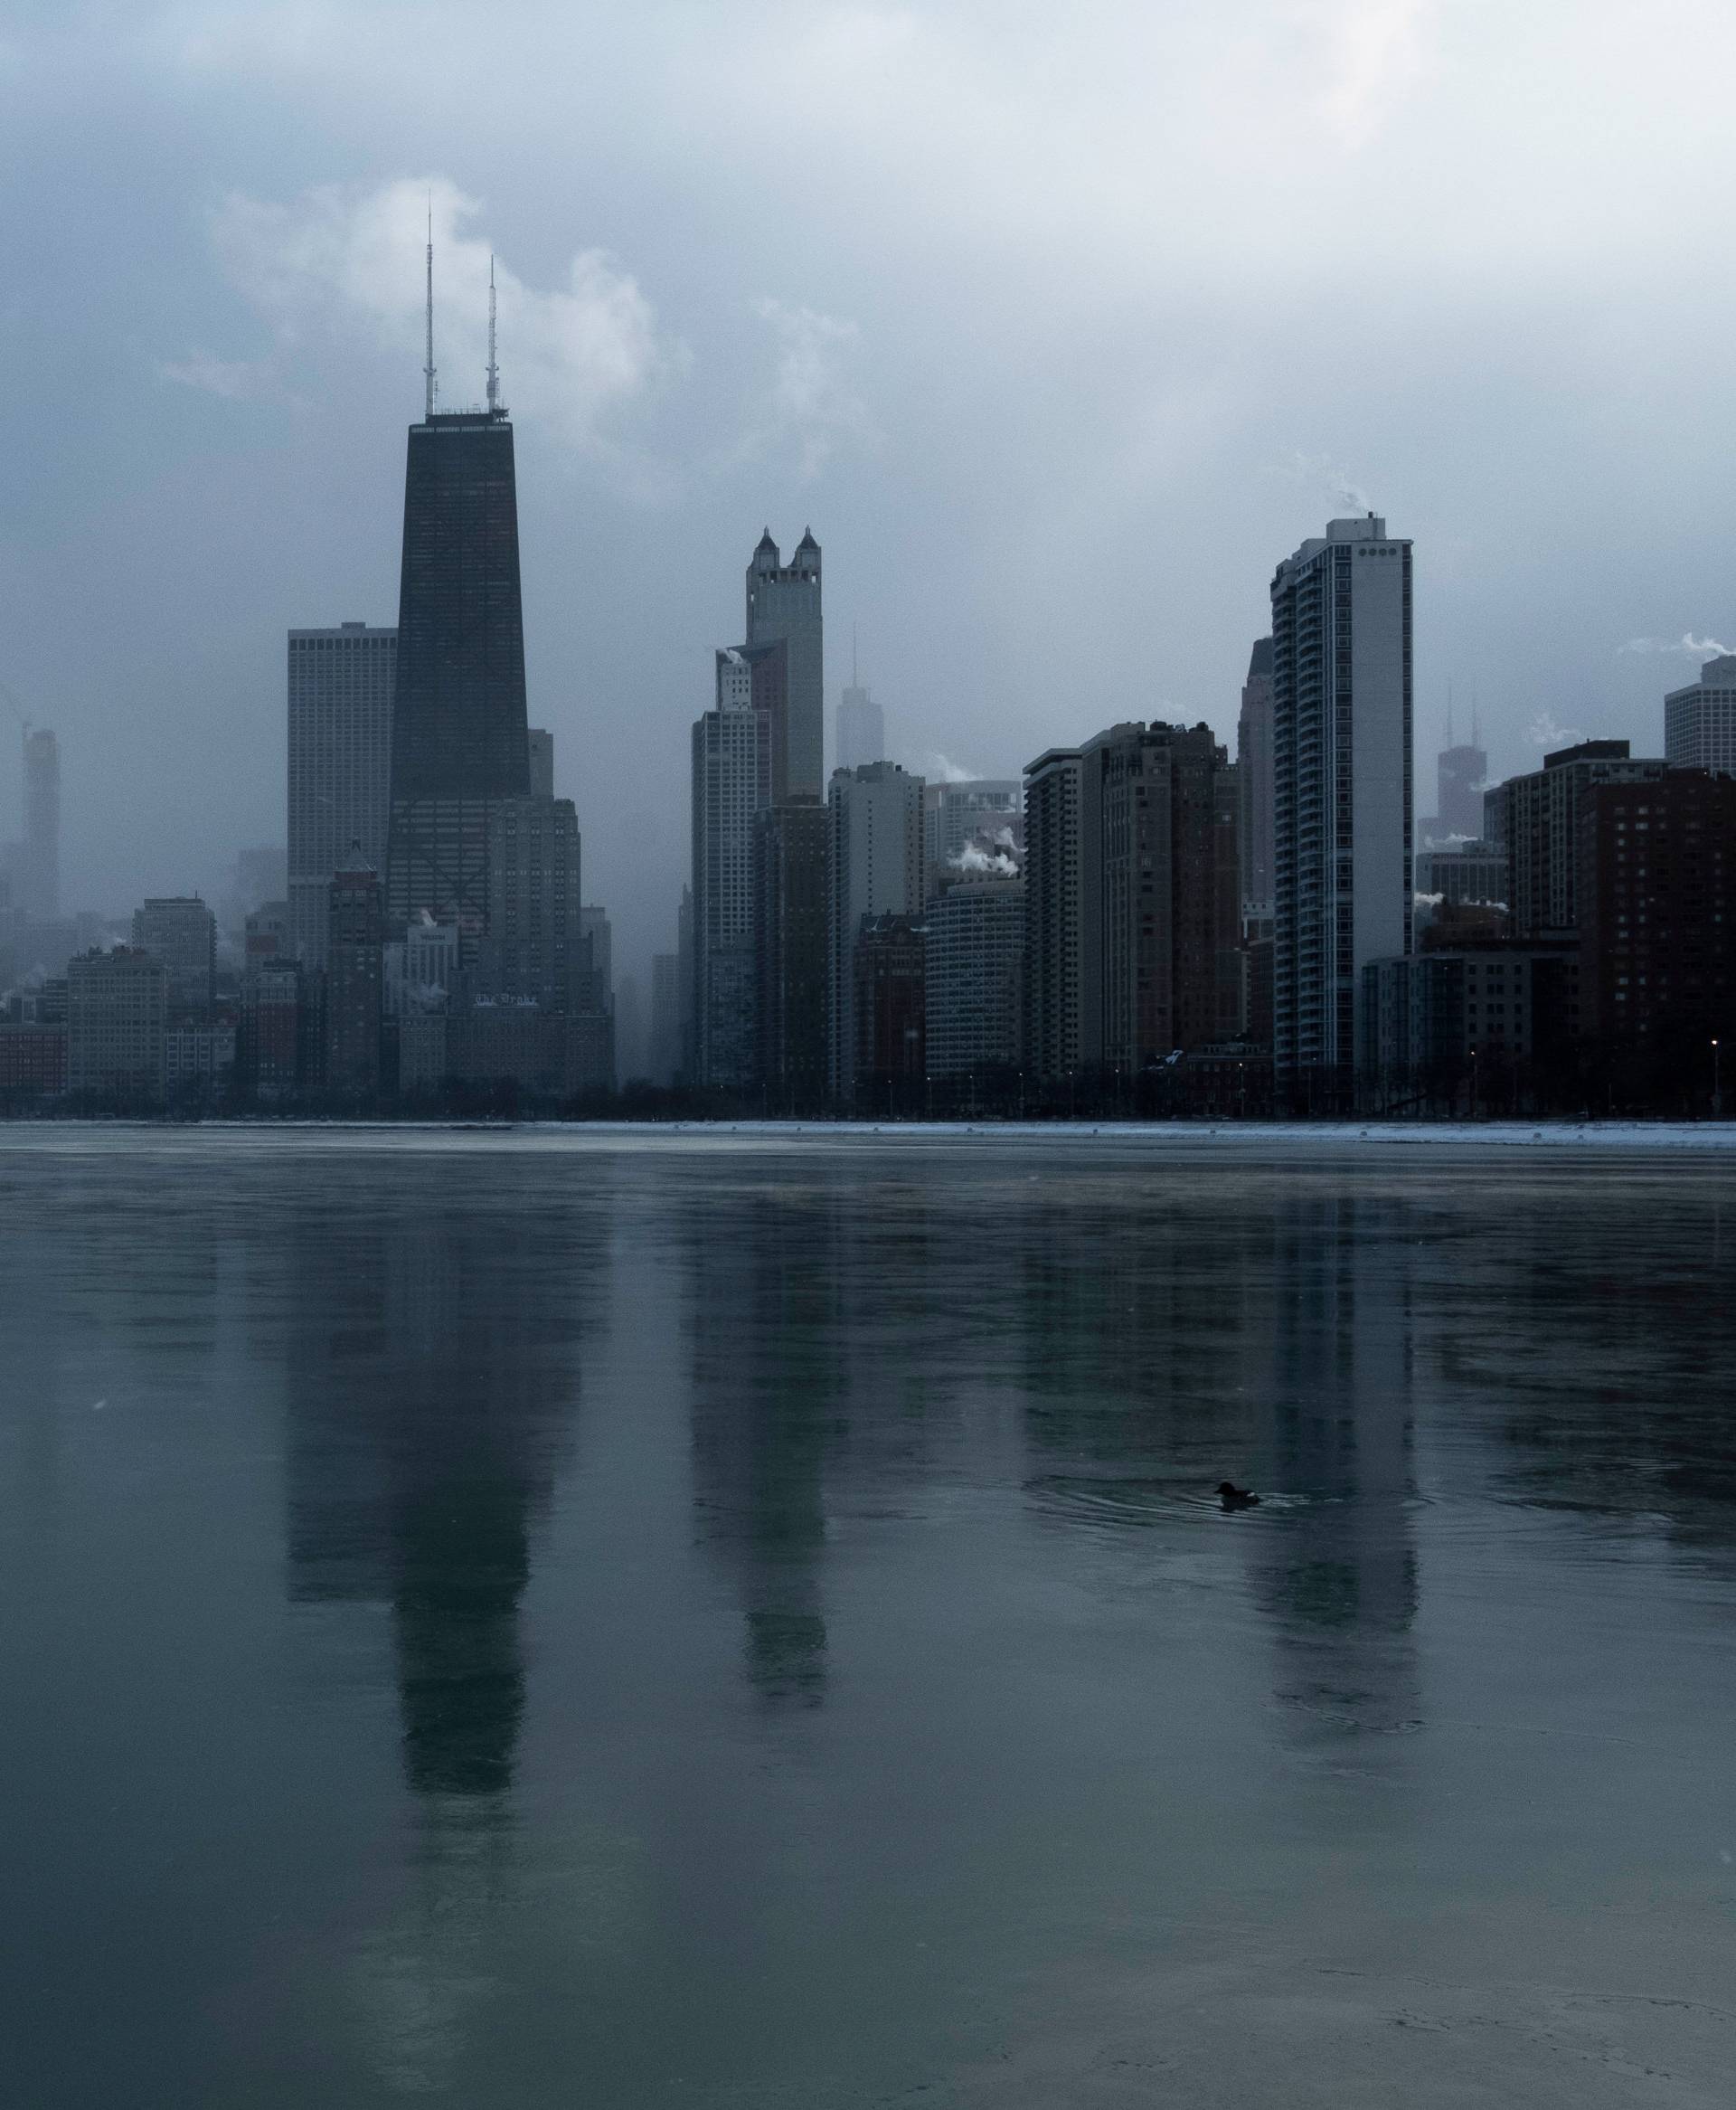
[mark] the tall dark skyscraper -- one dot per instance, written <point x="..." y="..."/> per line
<point x="42" y="866"/>
<point x="784" y="602"/>
<point x="459" y="729"/>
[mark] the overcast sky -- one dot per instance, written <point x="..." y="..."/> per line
<point x="1059" y="325"/>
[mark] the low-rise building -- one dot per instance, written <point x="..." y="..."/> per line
<point x="118" y="1005"/>
<point x="32" y="1060"/>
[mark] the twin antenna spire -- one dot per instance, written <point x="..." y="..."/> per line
<point x="432" y="393"/>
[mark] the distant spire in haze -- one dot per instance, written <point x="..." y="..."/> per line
<point x="428" y="369"/>
<point x="494" y="370"/>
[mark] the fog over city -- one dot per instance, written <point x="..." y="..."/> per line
<point x="1059" y="327"/>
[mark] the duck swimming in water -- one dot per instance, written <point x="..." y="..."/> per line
<point x="1236" y="1498"/>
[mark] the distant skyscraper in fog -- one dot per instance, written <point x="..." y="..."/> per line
<point x="542" y="752"/>
<point x="784" y="602"/>
<point x="181" y="932"/>
<point x="340" y="683"/>
<point x="41" y="865"/>
<point x="664" y="1055"/>
<point x="862" y="723"/>
<point x="1460" y="775"/>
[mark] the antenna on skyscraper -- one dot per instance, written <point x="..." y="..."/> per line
<point x="852" y="656"/>
<point x="494" y="370"/>
<point x="1476" y="736"/>
<point x="428" y="370"/>
<point x="1449" y="713"/>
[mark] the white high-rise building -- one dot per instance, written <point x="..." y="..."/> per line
<point x="732" y="766"/>
<point x="341" y="686"/>
<point x="1342" y="792"/>
<point x="1700" y="721"/>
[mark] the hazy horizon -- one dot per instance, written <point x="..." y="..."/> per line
<point x="1059" y="334"/>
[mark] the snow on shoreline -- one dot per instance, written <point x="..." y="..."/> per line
<point x="1149" y="1137"/>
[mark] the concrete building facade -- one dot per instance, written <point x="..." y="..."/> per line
<point x="783" y="603"/>
<point x="1700" y="721"/>
<point x="354" y="975"/>
<point x="791" y="850"/>
<point x="182" y="932"/>
<point x="1534" y="819"/>
<point x="1062" y="1028"/>
<point x="974" y="971"/>
<point x="732" y="786"/>
<point x="877" y="869"/>
<point x="1254" y="780"/>
<point x="340" y="684"/>
<point x="116" y="1014"/>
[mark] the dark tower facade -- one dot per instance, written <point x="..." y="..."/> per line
<point x="459" y="731"/>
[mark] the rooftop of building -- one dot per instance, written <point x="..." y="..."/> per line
<point x="1718" y="672"/>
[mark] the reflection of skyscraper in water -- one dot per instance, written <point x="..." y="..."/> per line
<point x="427" y="1419"/>
<point x="1338" y="1572"/>
<point x="764" y="1405"/>
<point x="431" y="1370"/>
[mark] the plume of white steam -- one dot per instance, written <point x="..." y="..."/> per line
<point x="978" y="856"/>
<point x="1544" y="732"/>
<point x="1696" y="647"/>
<point x="810" y="404"/>
<point x="939" y="769"/>
<point x="1323" y="473"/>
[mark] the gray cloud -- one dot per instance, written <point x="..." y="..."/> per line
<point x="337" y="260"/>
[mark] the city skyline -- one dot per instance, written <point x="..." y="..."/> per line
<point x="208" y="461"/>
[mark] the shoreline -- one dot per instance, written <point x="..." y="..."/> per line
<point x="1147" y="1136"/>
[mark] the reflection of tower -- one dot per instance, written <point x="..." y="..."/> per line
<point x="431" y="1372"/>
<point x="763" y="1411"/>
<point x="424" y="1434"/>
<point x="1338" y="1574"/>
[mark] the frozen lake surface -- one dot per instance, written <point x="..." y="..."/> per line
<point x="619" y="1617"/>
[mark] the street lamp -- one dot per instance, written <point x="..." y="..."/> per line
<point x="1717" y="1096"/>
<point x="1473" y="1084"/>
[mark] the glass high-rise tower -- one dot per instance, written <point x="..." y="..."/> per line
<point x="1340" y="794"/>
<point x="460" y="730"/>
